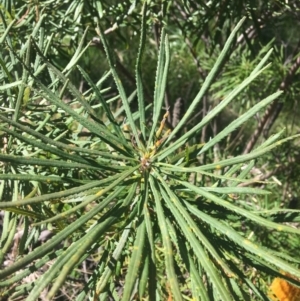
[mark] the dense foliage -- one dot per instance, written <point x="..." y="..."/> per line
<point x="148" y="150"/>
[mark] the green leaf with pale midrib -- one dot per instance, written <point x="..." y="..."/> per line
<point x="190" y="231"/>
<point x="216" y="110"/>
<point x="186" y="221"/>
<point x="264" y="254"/>
<point x="53" y="142"/>
<point x="72" y="257"/>
<point x="138" y="73"/>
<point x="60" y="194"/>
<point x="246" y="213"/>
<point x="135" y="262"/>
<point x="49" y="245"/>
<point x="107" y="110"/>
<point x="57" y="163"/>
<point x="38" y="178"/>
<point x="168" y="251"/>
<point x="185" y="257"/>
<point x="208" y="80"/>
<point x="258" y="152"/>
<point x="47" y="148"/>
<point x="240" y="120"/>
<point x="96" y="128"/>
<point x="87" y="198"/>
<point x="120" y="88"/>
<point x="160" y="82"/>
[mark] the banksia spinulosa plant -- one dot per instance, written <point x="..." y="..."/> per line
<point x="156" y="216"/>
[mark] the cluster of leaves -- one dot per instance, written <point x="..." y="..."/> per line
<point x="154" y="213"/>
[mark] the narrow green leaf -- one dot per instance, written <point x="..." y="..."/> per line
<point x="161" y="83"/>
<point x="209" y="79"/>
<point x="24" y="273"/>
<point x="239" y="121"/>
<point x="236" y="190"/>
<point x="183" y="247"/>
<point x="75" y="254"/>
<point x="7" y="29"/>
<point x="29" y="177"/>
<point x="134" y="262"/>
<point x="106" y="274"/>
<point x="152" y="260"/>
<point x="149" y="229"/>
<point x="50" y="244"/>
<point x="8" y="234"/>
<point x="256" y="153"/>
<point x="198" y="250"/>
<point x="84" y="201"/>
<point x="198" y="288"/>
<point x="159" y="75"/>
<point x="144" y="277"/>
<point x="138" y="73"/>
<point x="216" y="110"/>
<point x="61" y="194"/>
<point x="92" y="237"/>
<point x="169" y="260"/>
<point x="103" y="281"/>
<point x="188" y="222"/>
<point x="53" y="150"/>
<point x="6" y="74"/>
<point x="96" y="128"/>
<point x="79" y="97"/>
<point x="262" y="62"/>
<point x="120" y="88"/>
<point x="246" y="213"/>
<point x="25" y="213"/>
<point x="25" y="76"/>
<point x="246" y="244"/>
<point x="106" y="108"/>
<point x="167" y="168"/>
<point x="10" y="85"/>
<point x="55" y="163"/>
<point x="194" y="235"/>
<point x="78" y="53"/>
<point x="43" y="138"/>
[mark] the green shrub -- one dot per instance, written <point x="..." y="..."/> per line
<point x="158" y="218"/>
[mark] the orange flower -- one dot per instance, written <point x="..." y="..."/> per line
<point x="281" y="290"/>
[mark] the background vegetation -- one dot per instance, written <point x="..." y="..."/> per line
<point x="43" y="42"/>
